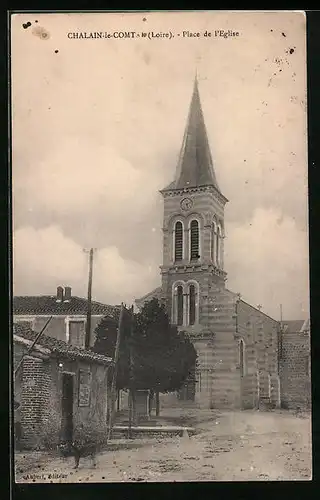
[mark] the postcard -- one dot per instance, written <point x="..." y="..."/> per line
<point x="161" y="324"/>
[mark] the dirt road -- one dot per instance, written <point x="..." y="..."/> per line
<point x="232" y="446"/>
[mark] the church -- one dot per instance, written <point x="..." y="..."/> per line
<point x="237" y="344"/>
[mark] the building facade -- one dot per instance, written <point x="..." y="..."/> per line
<point x="237" y="344"/>
<point x="295" y="365"/>
<point x="69" y="315"/>
<point x="60" y="391"/>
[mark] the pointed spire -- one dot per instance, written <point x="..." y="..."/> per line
<point x="195" y="167"/>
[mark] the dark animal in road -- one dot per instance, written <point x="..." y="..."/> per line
<point x="78" y="451"/>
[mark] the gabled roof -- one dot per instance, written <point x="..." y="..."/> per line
<point x="258" y="310"/>
<point x="195" y="166"/>
<point x="22" y="331"/>
<point x="293" y="325"/>
<point x="46" y="304"/>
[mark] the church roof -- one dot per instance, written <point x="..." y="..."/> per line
<point x="154" y="294"/>
<point x="195" y="166"/>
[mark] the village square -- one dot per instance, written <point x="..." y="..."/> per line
<point x="190" y="383"/>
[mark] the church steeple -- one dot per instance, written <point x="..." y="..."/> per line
<point x="195" y="166"/>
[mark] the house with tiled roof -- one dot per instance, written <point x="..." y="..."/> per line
<point x="293" y="325"/>
<point x="69" y="315"/>
<point x="59" y="389"/>
<point x="295" y="364"/>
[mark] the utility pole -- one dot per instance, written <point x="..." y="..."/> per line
<point x="280" y="340"/>
<point x="32" y="346"/>
<point x="131" y="375"/>
<point x="88" y="325"/>
<point x="115" y="370"/>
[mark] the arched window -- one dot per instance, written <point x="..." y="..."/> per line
<point x="178" y="241"/>
<point x="241" y="357"/>
<point x="192" y="304"/>
<point x="218" y="246"/>
<point x="194" y="240"/>
<point x="213" y="241"/>
<point x="179" y="299"/>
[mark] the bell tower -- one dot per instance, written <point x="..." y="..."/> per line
<point x="235" y="342"/>
<point x="193" y="228"/>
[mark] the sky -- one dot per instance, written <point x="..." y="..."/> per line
<point x="97" y="126"/>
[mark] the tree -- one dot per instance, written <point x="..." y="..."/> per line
<point x="163" y="358"/>
<point x="105" y="343"/>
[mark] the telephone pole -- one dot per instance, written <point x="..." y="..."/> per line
<point x="115" y="370"/>
<point x="280" y="340"/>
<point x="131" y="375"/>
<point x="88" y="325"/>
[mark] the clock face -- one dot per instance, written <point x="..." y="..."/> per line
<point x="186" y="204"/>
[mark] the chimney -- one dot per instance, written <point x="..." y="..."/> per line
<point x="59" y="294"/>
<point x="67" y="293"/>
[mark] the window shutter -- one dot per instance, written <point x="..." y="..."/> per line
<point x="178" y="241"/>
<point x="218" y="247"/>
<point x="194" y="228"/>
<point x="192" y="304"/>
<point x="76" y="333"/>
<point x="213" y="244"/>
<point x="241" y="347"/>
<point x="179" y="305"/>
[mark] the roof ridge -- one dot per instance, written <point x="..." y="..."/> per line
<point x="97" y="301"/>
<point x="48" y="304"/>
<point x="72" y="296"/>
<point x="256" y="309"/>
<point x="290" y="320"/>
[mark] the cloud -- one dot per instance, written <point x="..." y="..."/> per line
<point x="262" y="257"/>
<point x="44" y="259"/>
<point x="267" y="262"/>
<point x="96" y="133"/>
<point x="79" y="176"/>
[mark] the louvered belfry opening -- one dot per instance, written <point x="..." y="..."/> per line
<point x="192" y="304"/>
<point x="218" y="247"/>
<point x="241" y="356"/>
<point x="194" y="228"/>
<point x="180" y="305"/>
<point x="178" y="247"/>
<point x="213" y="243"/>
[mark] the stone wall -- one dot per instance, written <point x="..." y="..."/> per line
<point x="32" y="399"/>
<point x="225" y="384"/>
<point x="260" y="333"/>
<point x="295" y="371"/>
<point x="41" y="400"/>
